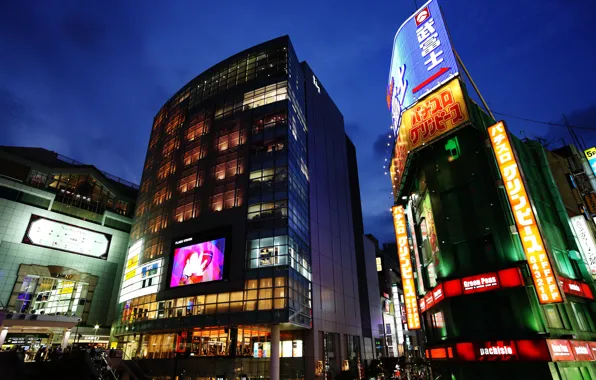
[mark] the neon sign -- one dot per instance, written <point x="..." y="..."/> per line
<point x="543" y="275"/>
<point x="405" y="264"/>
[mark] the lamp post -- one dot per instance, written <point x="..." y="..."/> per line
<point x="95" y="336"/>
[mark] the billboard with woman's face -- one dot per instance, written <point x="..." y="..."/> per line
<point x="196" y="263"/>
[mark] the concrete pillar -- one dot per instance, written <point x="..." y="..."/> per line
<point x="274" y="366"/>
<point x="3" y="334"/>
<point x="65" y="339"/>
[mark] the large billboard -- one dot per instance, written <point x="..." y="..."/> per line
<point x="543" y="274"/>
<point x="405" y="265"/>
<point x="432" y="117"/>
<point x="422" y="60"/>
<point x="586" y="241"/>
<point x="196" y="262"/>
<point x="66" y="237"/>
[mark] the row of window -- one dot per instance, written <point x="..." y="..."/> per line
<point x="263" y="294"/>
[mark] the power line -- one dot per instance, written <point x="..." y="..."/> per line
<point x="545" y="122"/>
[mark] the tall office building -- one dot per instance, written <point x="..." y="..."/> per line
<point x="64" y="230"/>
<point x="242" y="246"/>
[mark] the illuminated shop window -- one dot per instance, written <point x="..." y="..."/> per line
<point x="52" y="296"/>
<point x="268" y="251"/>
<point x="37" y="178"/>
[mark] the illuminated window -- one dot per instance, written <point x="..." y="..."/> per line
<point x="154" y="141"/>
<point x="278" y="209"/>
<point x="262" y="147"/>
<point x="192" y="155"/>
<point x="226" y="197"/>
<point x="189" y="182"/>
<point x="175" y="121"/>
<point x="259" y="125"/>
<point x="154" y="247"/>
<point x="166" y="169"/>
<point x="187" y="209"/>
<point x="229" y="138"/>
<point x="157" y="223"/>
<point x="197" y="127"/>
<point x="169" y="146"/>
<point x="438" y="319"/>
<point x="161" y="196"/>
<point x="265" y="95"/>
<point x="268" y="252"/>
<point x="141" y="207"/>
<point x="145" y="186"/>
<point x="379" y="265"/>
<point x="228" y="166"/>
<point x="148" y="163"/>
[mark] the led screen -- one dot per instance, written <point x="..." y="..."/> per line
<point x="198" y="263"/>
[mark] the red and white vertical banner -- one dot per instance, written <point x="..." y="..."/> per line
<point x="405" y="264"/>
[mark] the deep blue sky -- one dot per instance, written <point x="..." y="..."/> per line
<point x="86" y="78"/>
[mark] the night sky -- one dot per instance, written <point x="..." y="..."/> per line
<point x="85" y="79"/>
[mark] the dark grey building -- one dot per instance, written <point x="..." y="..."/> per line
<point x="242" y="246"/>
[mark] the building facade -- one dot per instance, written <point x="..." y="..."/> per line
<point x="64" y="229"/>
<point x="242" y="245"/>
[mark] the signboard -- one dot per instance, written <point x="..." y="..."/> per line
<point x="586" y="241"/>
<point x="480" y="283"/>
<point x="581" y="350"/>
<point x="543" y="275"/>
<point x="590" y="201"/>
<point x="422" y="60"/>
<point x="61" y="236"/>
<point x="496" y="350"/>
<point x="576" y="288"/>
<point x="140" y="279"/>
<point x="560" y="350"/>
<point x="591" y="156"/>
<point x="432" y="117"/>
<point x="405" y="264"/>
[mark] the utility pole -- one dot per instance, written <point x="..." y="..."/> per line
<point x="573" y="135"/>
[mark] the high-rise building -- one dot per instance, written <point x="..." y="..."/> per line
<point x="64" y="229"/>
<point x="242" y="246"/>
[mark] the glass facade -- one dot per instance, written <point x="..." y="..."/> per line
<point x="228" y="150"/>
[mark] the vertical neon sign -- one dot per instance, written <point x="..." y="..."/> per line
<point x="543" y="275"/>
<point x="405" y="264"/>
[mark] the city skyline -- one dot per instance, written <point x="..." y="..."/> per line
<point x="87" y="82"/>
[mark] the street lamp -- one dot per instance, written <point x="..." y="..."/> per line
<point x="95" y="337"/>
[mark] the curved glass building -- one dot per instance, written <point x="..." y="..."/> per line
<point x="230" y="221"/>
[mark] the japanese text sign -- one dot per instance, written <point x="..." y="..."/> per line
<point x="542" y="272"/>
<point x="586" y="241"/>
<point x="421" y="61"/>
<point x="405" y="264"/>
<point x="435" y="115"/>
<point x="591" y="156"/>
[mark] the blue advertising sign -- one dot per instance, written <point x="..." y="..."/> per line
<point x="422" y="60"/>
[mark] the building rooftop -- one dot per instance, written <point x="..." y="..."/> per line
<point x="52" y="159"/>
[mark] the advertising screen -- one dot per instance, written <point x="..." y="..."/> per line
<point x="196" y="263"/>
<point x="50" y="233"/>
<point x="421" y="61"/>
